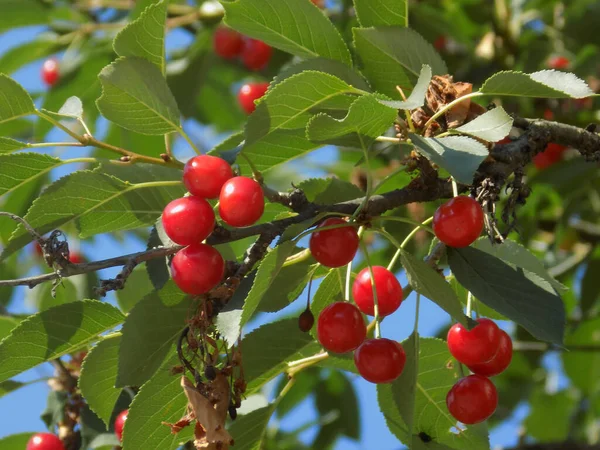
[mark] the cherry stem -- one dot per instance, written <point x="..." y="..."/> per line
<point x="349" y="269"/>
<point x="454" y="187"/>
<point x="299" y="365"/>
<point x="255" y="172"/>
<point x="373" y="287"/>
<point x="469" y="303"/>
<point x="404" y="243"/>
<point x="417" y="307"/>
<point x="310" y="280"/>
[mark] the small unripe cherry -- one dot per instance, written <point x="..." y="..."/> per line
<point x="306" y="320"/>
<point x="335" y="247"/>
<point x="50" y="72"/>
<point x="188" y="220"/>
<point x="249" y="93"/>
<point x="389" y="291"/>
<point x="45" y="441"/>
<point x="120" y="423"/>
<point x="458" y="222"/>
<point x="500" y="362"/>
<point x="380" y="360"/>
<point x="472" y="399"/>
<point x="241" y="202"/>
<point x="341" y="327"/>
<point x="227" y="43"/>
<point x="205" y="175"/>
<point x="475" y="346"/>
<point x="197" y="269"/>
<point x="256" y="54"/>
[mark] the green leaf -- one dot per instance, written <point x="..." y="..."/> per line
<point x="373" y="13"/>
<point x="519" y="295"/>
<point x="98" y="376"/>
<point x="326" y="191"/>
<point x="15" y="102"/>
<point x="296" y="27"/>
<point x="335" y="68"/>
<point x="136" y="96"/>
<point x="287" y="286"/>
<point x="105" y="441"/>
<point x="275" y="132"/>
<point x="73" y="107"/>
<point x="285" y="342"/>
<point x="417" y="96"/>
<point x="149" y="332"/>
<point x="159" y="400"/>
<point x="432" y="285"/>
<point x="8" y="145"/>
<point x="304" y="385"/>
<point x="137" y="287"/>
<point x="18" y="169"/>
<point x="6" y="387"/>
<point x="435" y="374"/>
<point x="459" y="155"/>
<point x="267" y="271"/>
<point x="394" y="57"/>
<point x="65" y="292"/>
<point x="590" y="285"/>
<point x="98" y="203"/>
<point x="7" y="324"/>
<point x="53" y="333"/>
<point x="54" y="413"/>
<point x="583" y="368"/>
<point x="248" y="430"/>
<point x="491" y="126"/>
<point x="145" y="36"/>
<point x="543" y="84"/>
<point x="550" y="415"/>
<point x="367" y="119"/>
<point x="19" y="13"/>
<point x="15" y="441"/>
<point x="21" y="55"/>
<point x="515" y="254"/>
<point x="229" y="319"/>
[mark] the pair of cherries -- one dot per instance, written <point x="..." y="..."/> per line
<point x="487" y="351"/>
<point x="49" y="441"/>
<point x="198" y="268"/>
<point x="230" y="44"/>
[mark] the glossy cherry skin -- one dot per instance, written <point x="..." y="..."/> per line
<point x="205" y="175"/>
<point x="389" y="291"/>
<point x="380" y="360"/>
<point x="458" y="222"/>
<point x="256" y="54"/>
<point x="120" y="423"/>
<point x="341" y="327"/>
<point x="306" y="320"/>
<point x="50" y="72"/>
<point x="472" y="399"/>
<point x="197" y="269"/>
<point x="476" y="346"/>
<point x="499" y="362"/>
<point x="241" y="202"/>
<point x="188" y="220"/>
<point x="550" y="156"/>
<point x="227" y="43"/>
<point x="335" y="247"/>
<point x="45" y="441"/>
<point x="249" y="93"/>
<point x="559" y="62"/>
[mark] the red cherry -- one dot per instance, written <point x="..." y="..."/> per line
<point x="306" y="320"/>
<point x="205" y="175"/>
<point x="188" y="220"/>
<point x="75" y="257"/>
<point x="458" y="222"/>
<point x="380" y="360"/>
<point x="256" y="54"/>
<point x="319" y="3"/>
<point x="472" y="399"/>
<point x="335" y="247"/>
<point x="197" y="269"/>
<point x="249" y="93"/>
<point x="504" y="140"/>
<point x="341" y="327"/>
<point x="120" y="423"/>
<point x="559" y="62"/>
<point x="498" y="363"/>
<point x="45" y="441"/>
<point x="38" y="249"/>
<point x="475" y="346"/>
<point x="50" y="73"/>
<point x="440" y="43"/>
<point x="550" y="156"/>
<point x="548" y="114"/>
<point x="227" y="43"/>
<point x="389" y="291"/>
<point x="241" y="202"/>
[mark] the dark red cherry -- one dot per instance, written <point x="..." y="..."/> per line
<point x="205" y="175"/>
<point x="256" y="54"/>
<point x="380" y="360"/>
<point x="197" y="269"/>
<point x="45" y="441"/>
<point x="248" y="95"/>
<point x="335" y="247"/>
<point x="458" y="222"/>
<point x="389" y="291"/>
<point x="120" y="423"/>
<point x="227" y="43"/>
<point x="498" y="363"/>
<point x="188" y="220"/>
<point x="341" y="327"/>
<point x="475" y="346"/>
<point x="241" y="202"/>
<point x="472" y="399"/>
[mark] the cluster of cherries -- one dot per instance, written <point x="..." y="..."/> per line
<point x="188" y="221"/>
<point x="49" y="441"/>
<point x="552" y="154"/>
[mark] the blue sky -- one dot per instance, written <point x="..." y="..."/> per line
<point x="21" y="409"/>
